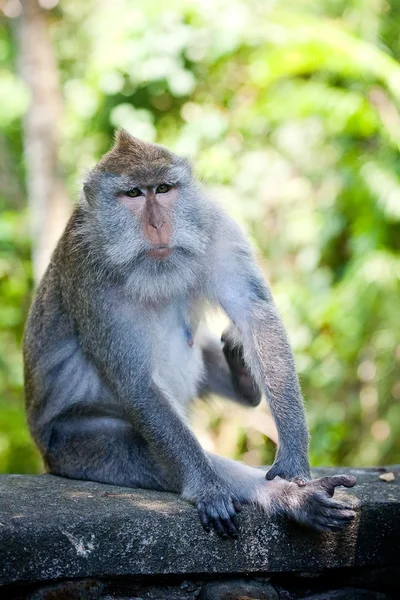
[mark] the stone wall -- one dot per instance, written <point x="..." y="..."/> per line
<point x="64" y="539"/>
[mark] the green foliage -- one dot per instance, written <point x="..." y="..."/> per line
<point x="291" y="112"/>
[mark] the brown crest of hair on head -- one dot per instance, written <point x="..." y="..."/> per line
<point x="129" y="152"/>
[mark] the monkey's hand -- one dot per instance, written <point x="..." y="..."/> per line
<point x="242" y="380"/>
<point x="311" y="504"/>
<point x="290" y="467"/>
<point x="218" y="508"/>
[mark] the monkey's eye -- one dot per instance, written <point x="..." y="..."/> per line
<point x="135" y="193"/>
<point x="163" y="188"/>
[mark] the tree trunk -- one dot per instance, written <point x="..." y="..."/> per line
<point x="47" y="196"/>
<point x="10" y="185"/>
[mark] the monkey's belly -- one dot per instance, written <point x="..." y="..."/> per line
<point x="179" y="372"/>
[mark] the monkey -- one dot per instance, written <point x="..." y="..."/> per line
<point x="115" y="347"/>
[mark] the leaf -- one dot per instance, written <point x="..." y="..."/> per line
<point x="387" y="476"/>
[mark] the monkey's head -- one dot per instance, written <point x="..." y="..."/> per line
<point x="148" y="213"/>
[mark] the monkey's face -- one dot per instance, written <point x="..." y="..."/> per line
<point x="148" y="210"/>
<point x="153" y="206"/>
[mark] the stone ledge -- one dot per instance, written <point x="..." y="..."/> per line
<point x="53" y="528"/>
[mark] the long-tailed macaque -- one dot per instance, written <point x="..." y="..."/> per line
<point x="115" y="349"/>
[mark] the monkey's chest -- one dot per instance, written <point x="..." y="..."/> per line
<point x="177" y="359"/>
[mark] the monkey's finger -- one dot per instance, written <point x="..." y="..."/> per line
<point x="232" y="513"/>
<point x="236" y="504"/>
<point x="272" y="473"/>
<point x="217" y="524"/>
<point x="228" y="515"/>
<point x="230" y="527"/>
<point x="203" y="516"/>
<point x="222" y="520"/>
<point x="235" y="521"/>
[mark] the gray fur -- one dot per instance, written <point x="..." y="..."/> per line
<point x="110" y="368"/>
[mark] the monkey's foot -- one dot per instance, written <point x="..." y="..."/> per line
<point x="311" y="503"/>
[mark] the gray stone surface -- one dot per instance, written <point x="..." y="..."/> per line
<point x="114" y="589"/>
<point x="237" y="589"/>
<point x="54" y="528"/>
<point x="348" y="594"/>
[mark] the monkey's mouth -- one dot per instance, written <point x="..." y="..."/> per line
<point x="161" y="251"/>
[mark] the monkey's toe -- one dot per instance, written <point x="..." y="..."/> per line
<point x="333" y="520"/>
<point x="331" y="482"/>
<point x="325" y="514"/>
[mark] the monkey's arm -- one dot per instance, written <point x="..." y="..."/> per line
<point x="226" y="373"/>
<point x="247" y="300"/>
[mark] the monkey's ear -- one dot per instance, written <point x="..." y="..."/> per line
<point x="90" y="187"/>
<point x="88" y="192"/>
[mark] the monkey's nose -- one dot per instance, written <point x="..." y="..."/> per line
<point x="157" y="224"/>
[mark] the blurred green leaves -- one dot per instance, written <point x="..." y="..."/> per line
<point x="290" y="110"/>
<point x="14" y="98"/>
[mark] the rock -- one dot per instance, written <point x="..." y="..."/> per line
<point x="388" y="477"/>
<point x="67" y="590"/>
<point x="237" y="589"/>
<point x="348" y="594"/>
<point x="53" y="528"/>
<point x="383" y="579"/>
<point x="114" y="589"/>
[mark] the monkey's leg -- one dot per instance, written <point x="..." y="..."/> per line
<point x="227" y="374"/>
<point x="114" y="454"/>
<point x="310" y="504"/>
<point x="103" y="449"/>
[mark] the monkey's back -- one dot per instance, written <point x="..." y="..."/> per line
<point x="58" y="378"/>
